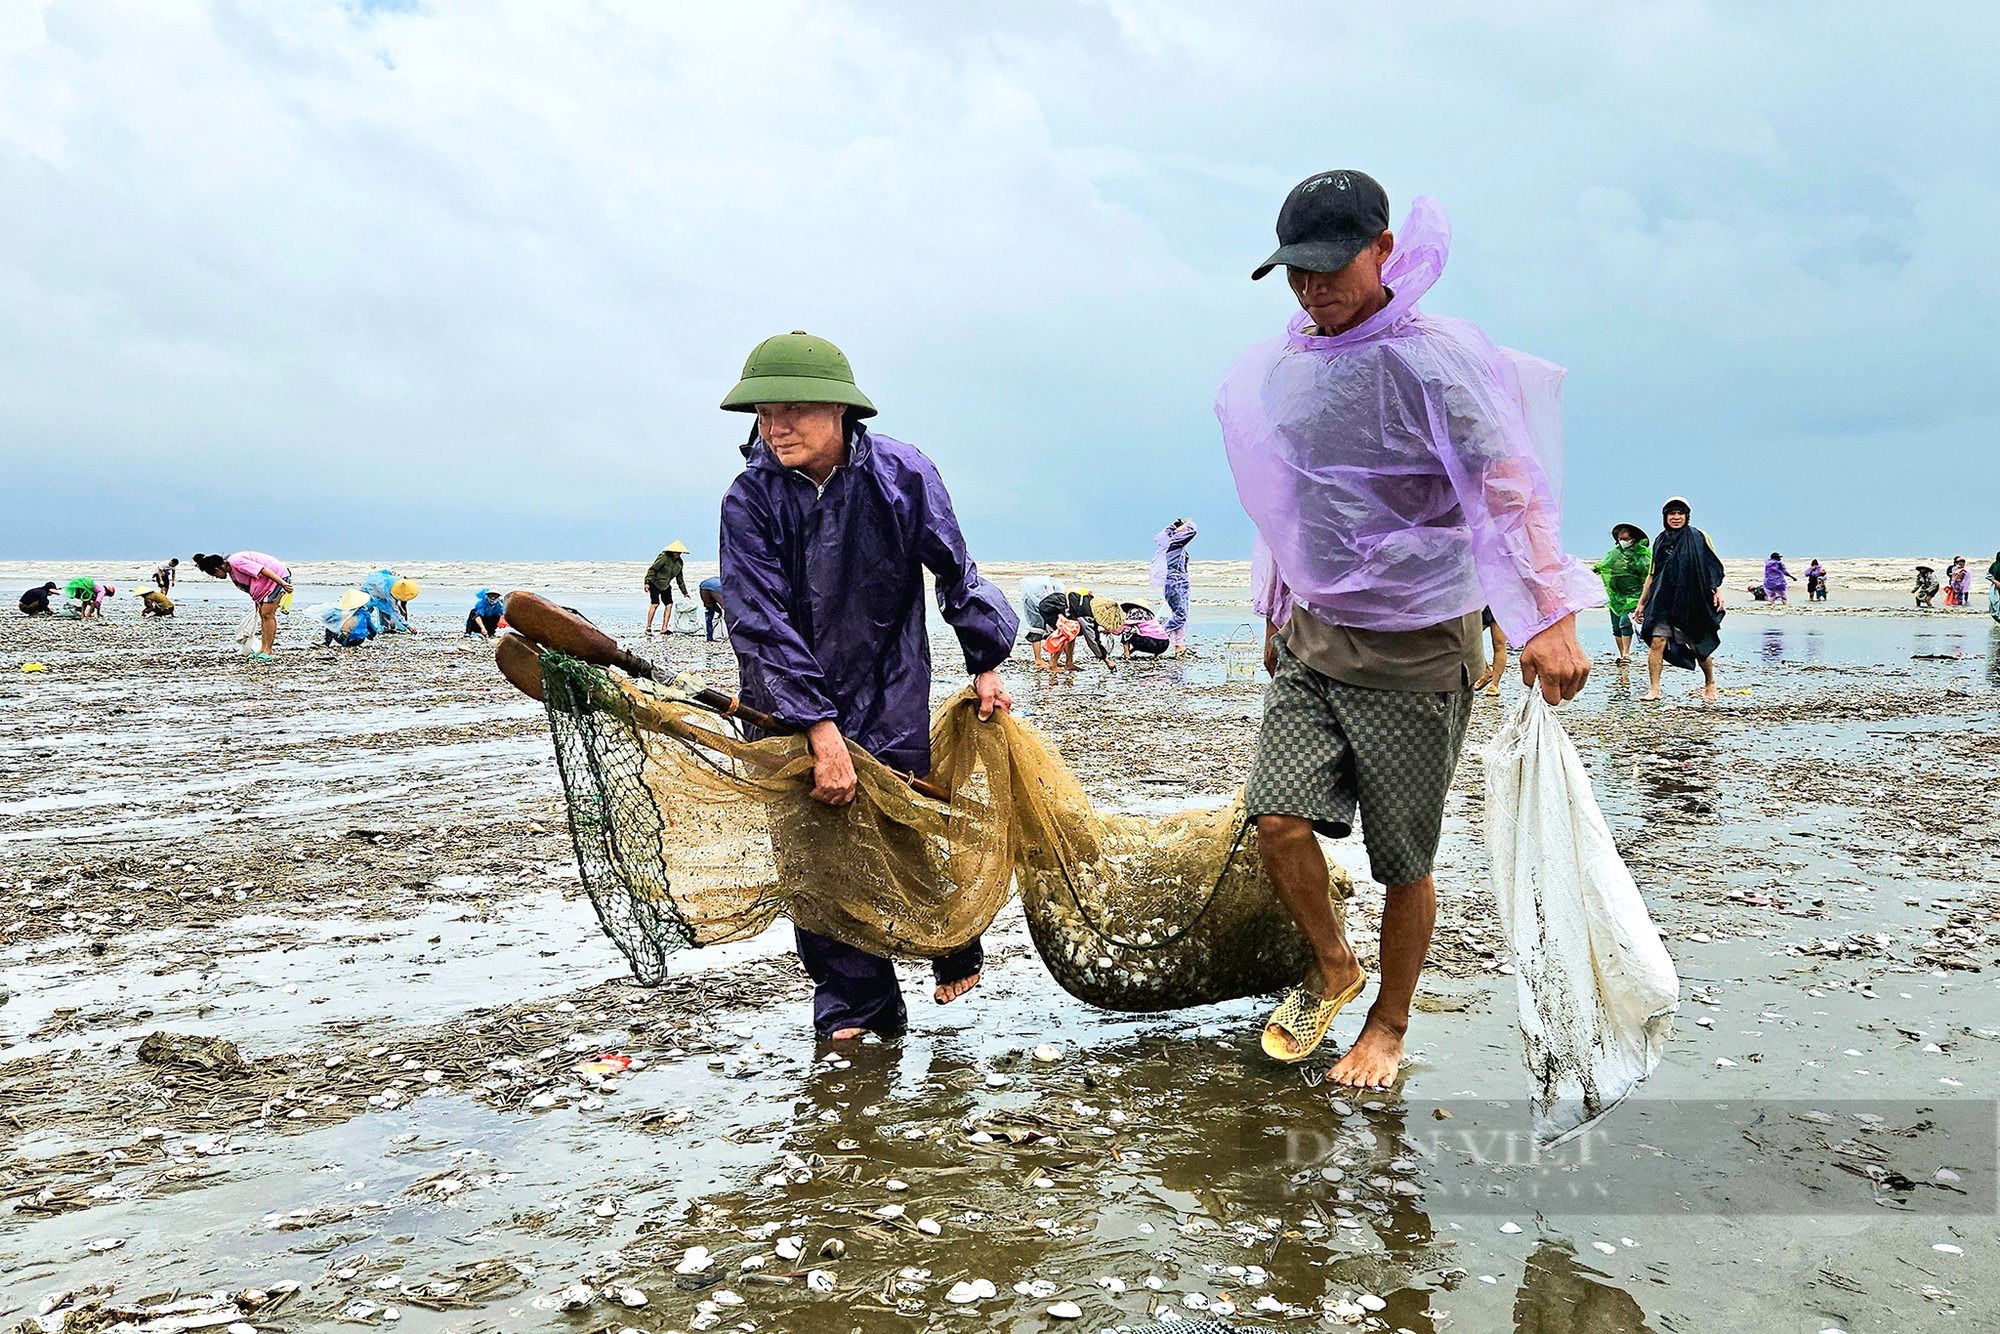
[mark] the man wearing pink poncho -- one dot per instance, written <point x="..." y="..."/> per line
<point x="1393" y="462"/>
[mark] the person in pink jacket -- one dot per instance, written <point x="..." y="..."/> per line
<point x="265" y="578"/>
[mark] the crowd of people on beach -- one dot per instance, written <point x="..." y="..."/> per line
<point x="1957" y="585"/>
<point x="1678" y="621"/>
<point x="379" y="606"/>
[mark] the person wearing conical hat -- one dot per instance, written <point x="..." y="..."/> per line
<point x="1624" y="570"/>
<point x="826" y="536"/>
<point x="389" y="601"/>
<point x="349" y="623"/>
<point x="668" y="568"/>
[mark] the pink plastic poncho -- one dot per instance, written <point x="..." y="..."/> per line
<point x="1407" y="471"/>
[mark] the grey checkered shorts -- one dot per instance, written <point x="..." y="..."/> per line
<point x="1326" y="747"/>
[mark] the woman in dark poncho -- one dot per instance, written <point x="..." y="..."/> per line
<point x="1680" y="609"/>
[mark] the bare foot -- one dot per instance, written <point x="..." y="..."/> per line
<point x="1624" y="657"/>
<point x="1494" y="690"/>
<point x="1374" y="1060"/>
<point x="947" y="992"/>
<point x="843" y="1034"/>
<point x="1710" y="694"/>
<point x="1653" y="698"/>
<point x="1327" y="980"/>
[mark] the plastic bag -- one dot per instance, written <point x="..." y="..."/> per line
<point x="250" y="632"/>
<point x="687" y="618"/>
<point x="1597" y="989"/>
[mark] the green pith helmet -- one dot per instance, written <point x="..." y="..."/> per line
<point x="796" y="368"/>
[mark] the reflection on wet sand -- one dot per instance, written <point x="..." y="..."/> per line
<point x="1560" y="1296"/>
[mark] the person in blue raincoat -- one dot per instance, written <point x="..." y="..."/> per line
<point x="826" y="534"/>
<point x="346" y="626"/>
<point x="484" y="618"/>
<point x="388" y="616"/>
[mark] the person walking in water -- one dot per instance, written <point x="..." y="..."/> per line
<point x="1815" y="581"/>
<point x="1680" y="609"/>
<point x="668" y="568"/>
<point x="826" y="536"/>
<point x="1624" y="570"/>
<point x="265" y="578"/>
<point x="1389" y="460"/>
<point x="1170" y="577"/>
<point x="1777" y="579"/>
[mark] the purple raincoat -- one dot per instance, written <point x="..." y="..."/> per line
<point x="1405" y="472"/>
<point x="825" y="592"/>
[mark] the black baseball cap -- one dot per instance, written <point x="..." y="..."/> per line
<point x="1327" y="220"/>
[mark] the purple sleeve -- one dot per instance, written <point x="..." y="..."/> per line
<point x="760" y="624"/>
<point x="1489" y="455"/>
<point x="1269" y="596"/>
<point x="977" y="610"/>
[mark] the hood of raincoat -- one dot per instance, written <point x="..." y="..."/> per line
<point x="1406" y="471"/>
<point x="1686" y="573"/>
<point x="378" y="584"/>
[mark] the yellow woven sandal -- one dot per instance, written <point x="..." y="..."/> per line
<point x="1306" y="1016"/>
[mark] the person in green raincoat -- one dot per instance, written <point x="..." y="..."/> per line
<point x="1624" y="570"/>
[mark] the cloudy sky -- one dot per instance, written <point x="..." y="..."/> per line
<point x="456" y="278"/>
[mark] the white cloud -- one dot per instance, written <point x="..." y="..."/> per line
<point x="260" y="256"/>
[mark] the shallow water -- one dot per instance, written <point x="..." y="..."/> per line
<point x="1722" y="1199"/>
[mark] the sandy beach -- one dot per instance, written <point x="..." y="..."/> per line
<point x="345" y="880"/>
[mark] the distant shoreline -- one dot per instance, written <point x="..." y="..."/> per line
<point x="1857" y="584"/>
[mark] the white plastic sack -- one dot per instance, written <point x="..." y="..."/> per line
<point x="687" y="618"/>
<point x="1597" y="989"/>
<point x="250" y="632"/>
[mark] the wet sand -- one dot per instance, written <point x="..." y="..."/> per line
<point x="353" y="866"/>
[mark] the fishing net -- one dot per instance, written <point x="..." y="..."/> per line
<point x="689" y="835"/>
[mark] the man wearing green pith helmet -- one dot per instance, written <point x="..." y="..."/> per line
<point x="826" y="535"/>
